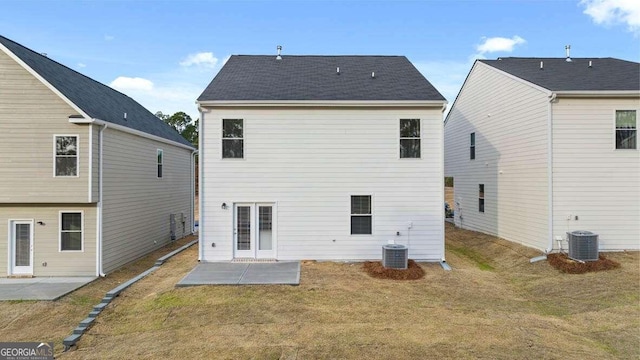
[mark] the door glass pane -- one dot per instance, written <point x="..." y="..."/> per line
<point x="265" y="216"/>
<point x="244" y="228"/>
<point x="23" y="245"/>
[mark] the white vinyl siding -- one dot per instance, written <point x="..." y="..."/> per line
<point x="137" y="209"/>
<point x="509" y="120"/>
<point x="591" y="179"/>
<point x="309" y="162"/>
<point x="27" y="143"/>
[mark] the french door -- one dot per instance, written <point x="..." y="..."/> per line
<point x="254" y="233"/>
<point x="21" y="247"/>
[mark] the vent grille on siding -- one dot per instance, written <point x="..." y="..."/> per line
<point x="583" y="245"/>
<point x="395" y="256"/>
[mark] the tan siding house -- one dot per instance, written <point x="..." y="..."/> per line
<point x="552" y="150"/>
<point x="79" y="187"/>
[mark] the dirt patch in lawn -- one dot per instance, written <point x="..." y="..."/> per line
<point x="563" y="263"/>
<point x="376" y="270"/>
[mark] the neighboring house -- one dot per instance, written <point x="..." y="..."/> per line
<point x="538" y="147"/>
<point x="320" y="157"/>
<point x="89" y="179"/>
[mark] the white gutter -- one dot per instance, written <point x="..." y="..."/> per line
<point x="552" y="98"/>
<point x="322" y="103"/>
<point x="598" y="93"/>
<point x="99" y="271"/>
<point x="200" y="185"/>
<point x="130" y="131"/>
<point x="193" y="191"/>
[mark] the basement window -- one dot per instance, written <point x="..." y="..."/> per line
<point x="626" y="130"/>
<point x="361" y="217"/>
<point x="481" y="198"/>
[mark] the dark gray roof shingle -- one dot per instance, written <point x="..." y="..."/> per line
<point x="559" y="75"/>
<point x="94" y="98"/>
<point x="262" y="77"/>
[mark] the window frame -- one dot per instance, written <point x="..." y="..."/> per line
<point x="419" y="138"/>
<point x="222" y="140"/>
<point x="370" y="215"/>
<point x="60" y="230"/>
<point x="481" y="205"/>
<point x="472" y="146"/>
<point x="159" y="163"/>
<point x="55" y="155"/>
<point x="615" y="129"/>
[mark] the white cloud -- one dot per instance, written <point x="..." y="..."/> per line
<point x="202" y="59"/>
<point x="613" y="12"/>
<point x="109" y="37"/>
<point x="131" y="83"/>
<point x="82" y="65"/>
<point x="496" y="44"/>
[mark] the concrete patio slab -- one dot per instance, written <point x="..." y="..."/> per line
<point x="278" y="273"/>
<point x="40" y="288"/>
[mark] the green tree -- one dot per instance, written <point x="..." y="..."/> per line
<point x="183" y="124"/>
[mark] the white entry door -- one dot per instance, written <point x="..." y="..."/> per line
<point x="21" y="247"/>
<point x="254" y="231"/>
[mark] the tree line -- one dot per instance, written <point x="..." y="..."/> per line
<point x="183" y="124"/>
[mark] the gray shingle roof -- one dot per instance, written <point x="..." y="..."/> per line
<point x="96" y="99"/>
<point x="560" y="75"/>
<point x="262" y="77"/>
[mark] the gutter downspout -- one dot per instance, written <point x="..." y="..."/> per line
<point x="549" y="249"/>
<point x="552" y="98"/>
<point x="193" y="191"/>
<point x="100" y="182"/>
<point x="200" y="186"/>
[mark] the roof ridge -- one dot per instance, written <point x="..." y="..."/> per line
<point x="318" y="55"/>
<point x="63" y="65"/>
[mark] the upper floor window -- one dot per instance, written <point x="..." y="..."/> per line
<point x="361" y="217"/>
<point x="626" y="129"/>
<point x="232" y="139"/>
<point x="409" y="138"/>
<point x="66" y="155"/>
<point x="71" y="231"/>
<point x="160" y="154"/>
<point x="472" y="146"/>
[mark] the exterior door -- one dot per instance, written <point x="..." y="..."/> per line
<point x="253" y="231"/>
<point x="21" y="247"/>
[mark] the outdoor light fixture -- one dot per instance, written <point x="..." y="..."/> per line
<point x="224" y="206"/>
<point x="41" y="223"/>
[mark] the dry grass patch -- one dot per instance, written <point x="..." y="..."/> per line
<point x="563" y="263"/>
<point x="376" y="270"/>
<point x="517" y="310"/>
<point x="52" y="321"/>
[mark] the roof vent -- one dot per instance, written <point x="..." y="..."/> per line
<point x="338" y="70"/>
<point x="541" y="65"/>
<point x="43" y="54"/>
<point x="590" y="64"/>
<point x="373" y="74"/>
<point x="567" y="48"/>
<point x="279" y="50"/>
<point x="125" y="117"/>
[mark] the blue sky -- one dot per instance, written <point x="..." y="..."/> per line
<point x="164" y="53"/>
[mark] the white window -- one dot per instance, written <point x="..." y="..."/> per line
<point x="472" y="146"/>
<point x="66" y="155"/>
<point x="626" y="129"/>
<point x="409" y="138"/>
<point x="71" y="236"/>
<point x="232" y="139"/>
<point x="361" y="217"/>
<point x="160" y="162"/>
<point x="481" y="198"/>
